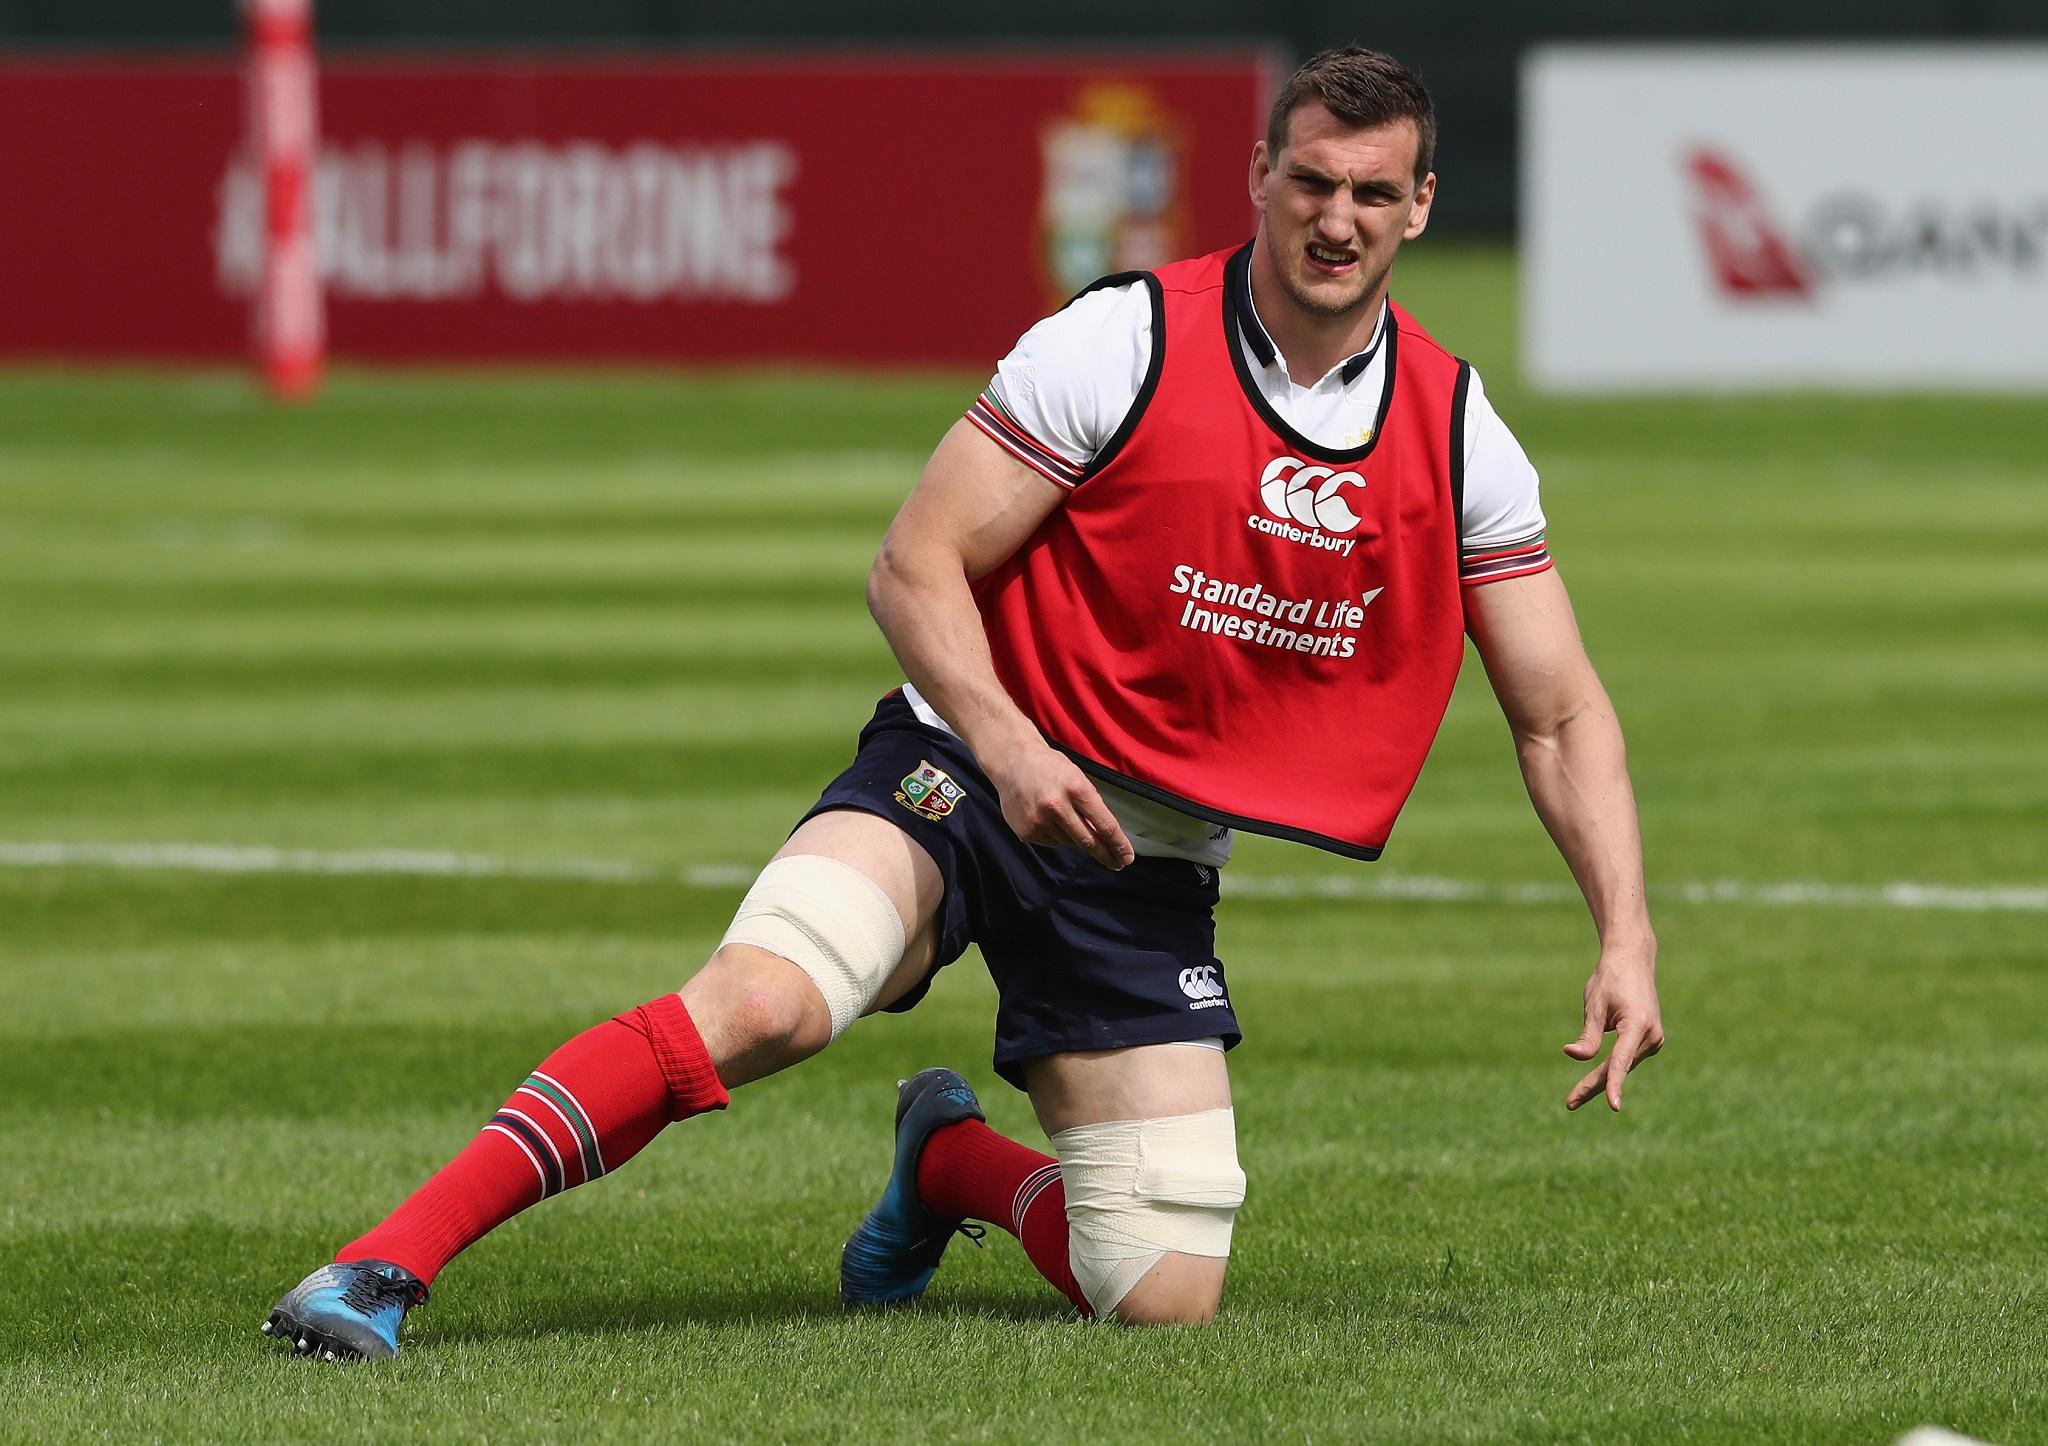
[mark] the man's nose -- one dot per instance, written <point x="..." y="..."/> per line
<point x="1334" y="221"/>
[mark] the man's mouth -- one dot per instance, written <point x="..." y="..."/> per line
<point x="1330" y="260"/>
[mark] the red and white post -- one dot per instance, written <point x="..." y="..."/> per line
<point x="289" y="322"/>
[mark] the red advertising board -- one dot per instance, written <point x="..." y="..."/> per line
<point x="869" y="208"/>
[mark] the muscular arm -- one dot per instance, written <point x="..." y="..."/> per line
<point x="1570" y="747"/>
<point x="974" y="506"/>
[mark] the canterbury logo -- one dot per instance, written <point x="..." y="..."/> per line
<point x="1200" y="982"/>
<point x="1308" y="495"/>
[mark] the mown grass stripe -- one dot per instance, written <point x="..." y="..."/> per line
<point x="1419" y="888"/>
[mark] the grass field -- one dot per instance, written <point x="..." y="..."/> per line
<point x="542" y="618"/>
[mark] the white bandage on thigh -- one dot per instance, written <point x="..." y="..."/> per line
<point x="830" y="920"/>
<point x="1138" y="1189"/>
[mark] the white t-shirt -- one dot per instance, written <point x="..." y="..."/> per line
<point x="1066" y="388"/>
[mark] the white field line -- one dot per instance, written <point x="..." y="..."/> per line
<point x="227" y="859"/>
<point x="243" y="859"/>
<point x="2021" y="899"/>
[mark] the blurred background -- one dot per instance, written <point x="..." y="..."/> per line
<point x="685" y="182"/>
<point x="1469" y="53"/>
<point x="353" y="753"/>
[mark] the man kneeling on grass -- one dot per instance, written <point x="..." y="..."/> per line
<point x="1145" y="595"/>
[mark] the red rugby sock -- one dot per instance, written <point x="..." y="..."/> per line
<point x="590" y="1107"/>
<point x="969" y="1170"/>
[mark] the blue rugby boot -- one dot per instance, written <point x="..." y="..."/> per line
<point x="347" y="1312"/>
<point x="891" y="1258"/>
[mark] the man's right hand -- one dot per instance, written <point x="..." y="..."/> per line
<point x="1048" y="801"/>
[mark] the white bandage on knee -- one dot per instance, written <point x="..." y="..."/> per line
<point x="830" y="920"/>
<point x="1139" y="1189"/>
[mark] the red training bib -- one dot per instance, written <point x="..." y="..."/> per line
<point x="1232" y="620"/>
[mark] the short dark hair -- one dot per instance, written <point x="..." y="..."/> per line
<point x="1361" y="88"/>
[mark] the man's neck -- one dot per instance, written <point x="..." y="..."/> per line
<point x="1311" y="344"/>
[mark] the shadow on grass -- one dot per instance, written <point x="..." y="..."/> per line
<point x="552" y="1313"/>
<point x="549" y="1311"/>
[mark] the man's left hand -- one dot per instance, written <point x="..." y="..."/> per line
<point x="1621" y="996"/>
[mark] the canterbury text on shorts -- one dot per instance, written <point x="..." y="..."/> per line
<point x="1083" y="957"/>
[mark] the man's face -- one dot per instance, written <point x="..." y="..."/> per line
<point x="1337" y="203"/>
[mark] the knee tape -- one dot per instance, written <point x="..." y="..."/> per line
<point x="1139" y="1189"/>
<point x="830" y="920"/>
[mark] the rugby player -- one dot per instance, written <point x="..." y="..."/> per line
<point x="1201" y="558"/>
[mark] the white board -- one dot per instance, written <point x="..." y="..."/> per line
<point x="1785" y="216"/>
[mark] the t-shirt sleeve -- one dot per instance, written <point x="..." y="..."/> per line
<point x="1061" y="394"/>
<point x="1503" y="532"/>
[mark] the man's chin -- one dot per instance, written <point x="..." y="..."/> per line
<point x="1326" y="297"/>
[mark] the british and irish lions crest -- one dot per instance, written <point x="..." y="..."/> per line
<point x="1113" y="199"/>
<point x="929" y="792"/>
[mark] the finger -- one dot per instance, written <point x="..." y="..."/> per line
<point x="1041" y="826"/>
<point x="1104" y="852"/>
<point x="1063" y="828"/>
<point x="1588" y="1043"/>
<point x="1627" y="1045"/>
<point x="1113" y="848"/>
<point x="1586" y="1088"/>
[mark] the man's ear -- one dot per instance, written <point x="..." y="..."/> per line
<point x="1262" y="170"/>
<point x="1418" y="219"/>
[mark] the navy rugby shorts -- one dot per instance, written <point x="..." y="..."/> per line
<point x="1083" y="957"/>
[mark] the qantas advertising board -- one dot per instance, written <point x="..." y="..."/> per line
<point x="1785" y="217"/>
<point x="877" y="208"/>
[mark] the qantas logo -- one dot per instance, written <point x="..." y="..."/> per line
<point x="1854" y="236"/>
<point x="1750" y="256"/>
